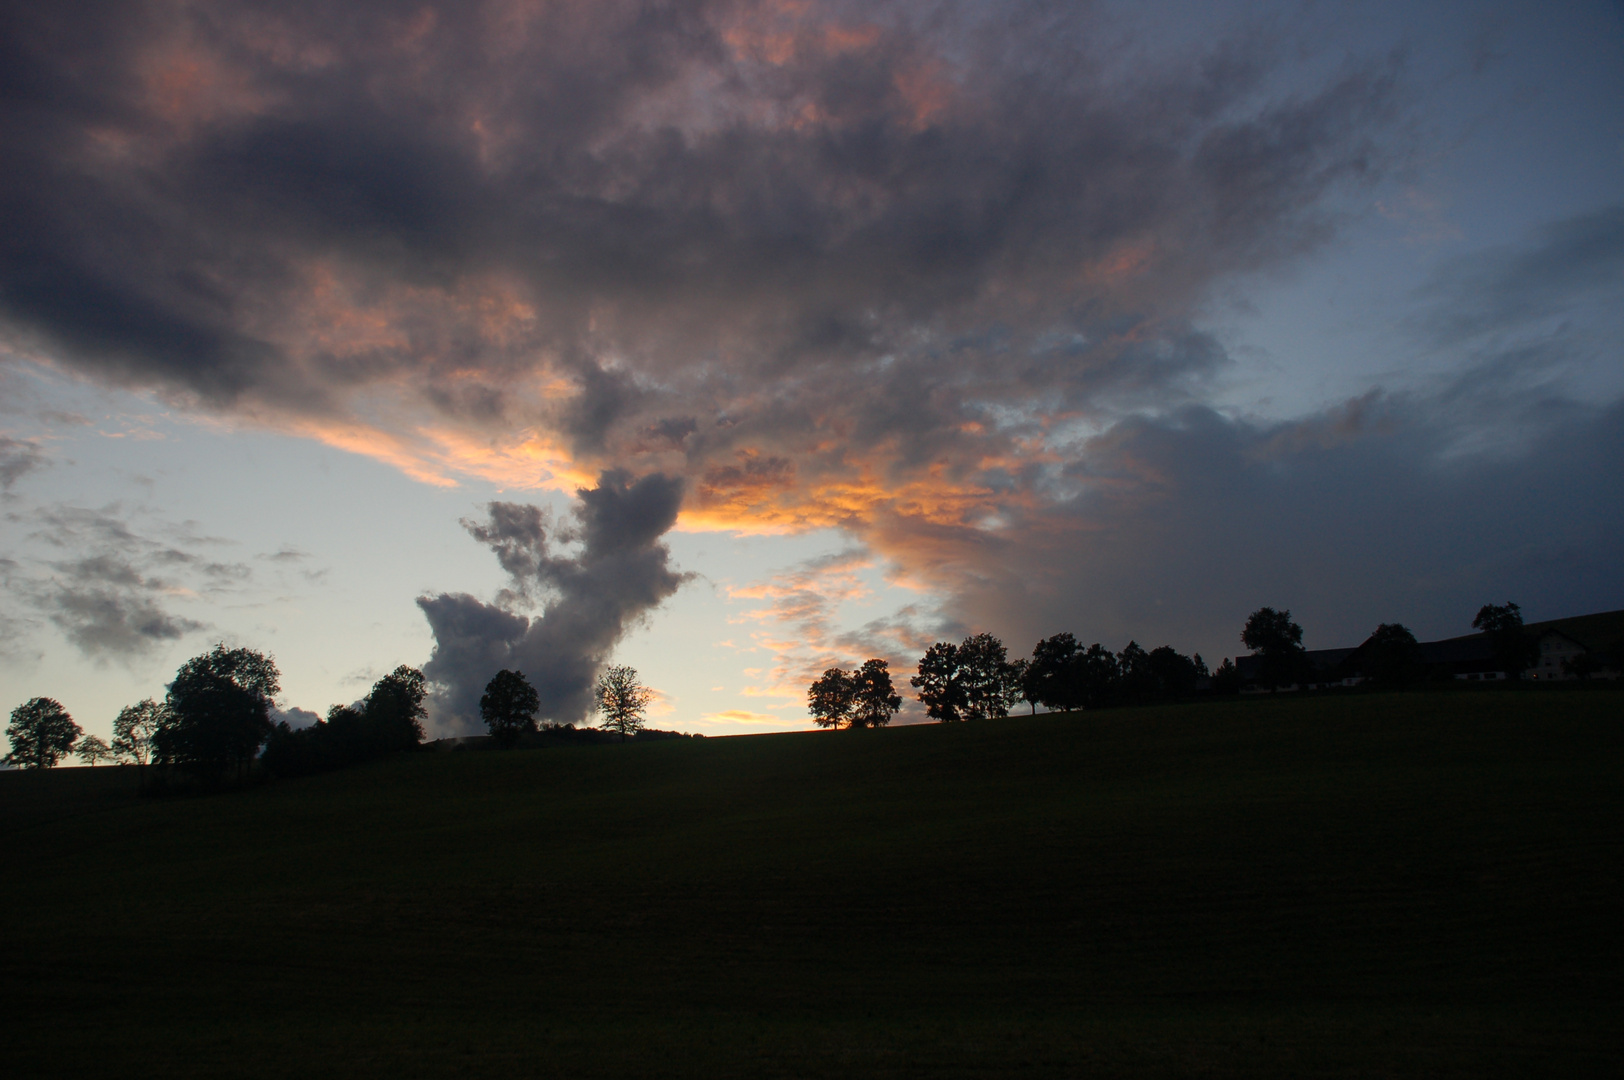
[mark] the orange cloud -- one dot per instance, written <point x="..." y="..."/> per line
<point x="740" y="716"/>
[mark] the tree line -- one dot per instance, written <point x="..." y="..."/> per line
<point x="975" y="679"/>
<point x="216" y="721"/>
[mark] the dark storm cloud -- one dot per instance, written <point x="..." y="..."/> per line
<point x="854" y="265"/>
<point x="706" y="207"/>
<point x="1185" y="524"/>
<point x="589" y="598"/>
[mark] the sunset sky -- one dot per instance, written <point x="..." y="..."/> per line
<point x="782" y="335"/>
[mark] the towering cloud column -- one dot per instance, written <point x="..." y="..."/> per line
<point x="588" y="599"/>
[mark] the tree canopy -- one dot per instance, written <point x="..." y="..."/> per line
<point x="92" y="749"/>
<point x="509" y="706"/>
<point x="1053" y="678"/>
<point x="621" y="699"/>
<point x="388" y="720"/>
<point x="969" y="681"/>
<point x="134" y="730"/>
<point x="394" y="711"/>
<point x="1392" y="655"/>
<point x="940" y="689"/>
<point x="218" y="712"/>
<point x="1513" y="649"/>
<point x="829" y="698"/>
<point x="860" y="698"/>
<point x="1278" y="642"/>
<point x="41" y="734"/>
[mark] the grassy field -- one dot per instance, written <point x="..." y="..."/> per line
<point x="1405" y="885"/>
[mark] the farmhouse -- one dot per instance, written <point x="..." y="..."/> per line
<point x="1584" y="646"/>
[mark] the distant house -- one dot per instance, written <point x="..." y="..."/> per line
<point x="1471" y="659"/>
<point x="1563" y="643"/>
<point x="1326" y="668"/>
<point x="1557" y="653"/>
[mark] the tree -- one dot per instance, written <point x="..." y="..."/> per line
<point x="1174" y="674"/>
<point x="41" y="733"/>
<point x="1097" y="675"/>
<point x="394" y="711"/>
<point x="1053" y="678"/>
<point x="1392" y="655"/>
<point x="874" y="701"/>
<point x="134" y="730"/>
<point x="1513" y="649"/>
<point x="621" y="699"/>
<point x="1226" y="680"/>
<point x="1023" y="683"/>
<point x="218" y="713"/>
<point x="990" y="682"/>
<point x="940" y="690"/>
<point x="829" y="699"/>
<point x="508" y="707"/>
<point x="1278" y="642"/>
<point x="93" y="748"/>
<point x="971" y="680"/>
<point x="1135" y="679"/>
<point x="386" y="721"/>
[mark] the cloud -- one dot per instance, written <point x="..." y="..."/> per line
<point x="113" y="591"/>
<point x="17" y="457"/>
<point x="107" y="608"/>
<point x="294" y="717"/>
<point x="1365" y="514"/>
<point x="803" y="255"/>
<point x="589" y="599"/>
<point x="1497" y="292"/>
<point x="740" y="716"/>
<point x="800" y="625"/>
<point x="929" y="273"/>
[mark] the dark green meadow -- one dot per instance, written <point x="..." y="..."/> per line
<point x="1402" y="885"/>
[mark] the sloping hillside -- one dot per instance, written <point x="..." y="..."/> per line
<point x="1370" y="885"/>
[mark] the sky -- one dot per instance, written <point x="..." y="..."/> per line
<point x="734" y="341"/>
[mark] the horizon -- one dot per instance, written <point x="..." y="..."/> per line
<point x="735" y="341"/>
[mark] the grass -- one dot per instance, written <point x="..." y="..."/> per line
<point x="1403" y="885"/>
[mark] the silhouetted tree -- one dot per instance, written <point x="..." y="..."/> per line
<point x="387" y="721"/>
<point x="218" y="713"/>
<point x="134" y="729"/>
<point x="1097" y="675"/>
<point x="1513" y="650"/>
<point x="621" y="699"/>
<point x="829" y="698"/>
<point x="394" y="712"/>
<point x="940" y="690"/>
<point x="1135" y="679"/>
<point x="41" y="732"/>
<point x="971" y="680"/>
<point x="874" y="701"/>
<point x="1173" y="673"/>
<point x="1278" y="642"/>
<point x="1392" y="655"/>
<point x="93" y="748"/>
<point x="1022" y="683"/>
<point x="1226" y="680"/>
<point x="1054" y="678"/>
<point x="508" y="707"/>
<point x="989" y="681"/>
